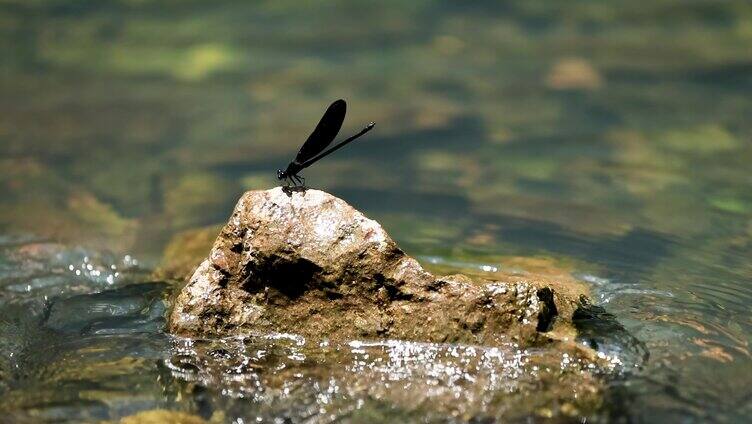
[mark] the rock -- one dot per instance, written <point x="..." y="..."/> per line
<point x="183" y="253"/>
<point x="306" y="262"/>
<point x="130" y="309"/>
<point x="323" y="300"/>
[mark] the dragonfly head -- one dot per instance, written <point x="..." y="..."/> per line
<point x="281" y="175"/>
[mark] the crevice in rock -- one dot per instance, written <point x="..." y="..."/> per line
<point x="331" y="293"/>
<point x="291" y="277"/>
<point x="392" y="291"/>
<point x="548" y="311"/>
<point x="224" y="277"/>
<point x="435" y="285"/>
<point x="397" y="294"/>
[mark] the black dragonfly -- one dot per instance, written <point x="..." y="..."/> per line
<point x="321" y="137"/>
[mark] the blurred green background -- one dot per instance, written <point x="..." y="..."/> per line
<point x="611" y="137"/>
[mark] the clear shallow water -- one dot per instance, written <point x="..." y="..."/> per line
<point x="610" y="137"/>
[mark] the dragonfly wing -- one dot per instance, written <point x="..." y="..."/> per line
<point x="324" y="133"/>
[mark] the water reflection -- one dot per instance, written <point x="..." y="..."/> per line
<point x="283" y="376"/>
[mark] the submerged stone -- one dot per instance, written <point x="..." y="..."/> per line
<point x="306" y="262"/>
<point x="129" y="309"/>
<point x="184" y="252"/>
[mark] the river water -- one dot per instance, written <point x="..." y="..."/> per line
<point x="609" y="140"/>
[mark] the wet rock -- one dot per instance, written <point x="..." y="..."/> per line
<point x="306" y="262"/>
<point x="129" y="309"/>
<point x="601" y="331"/>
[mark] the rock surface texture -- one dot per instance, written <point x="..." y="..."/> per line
<point x="306" y="262"/>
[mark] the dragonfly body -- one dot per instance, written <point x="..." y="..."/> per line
<point x="322" y="136"/>
<point x="291" y="171"/>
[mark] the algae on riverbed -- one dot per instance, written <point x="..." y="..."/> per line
<point x="610" y="136"/>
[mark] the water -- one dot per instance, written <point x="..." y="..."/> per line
<point x="608" y="140"/>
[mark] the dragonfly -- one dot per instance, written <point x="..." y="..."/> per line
<point x="322" y="136"/>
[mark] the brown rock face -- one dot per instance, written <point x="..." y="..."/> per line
<point x="306" y="262"/>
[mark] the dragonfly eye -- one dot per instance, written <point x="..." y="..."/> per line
<point x="281" y="174"/>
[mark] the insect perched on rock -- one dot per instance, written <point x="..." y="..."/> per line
<point x="322" y="136"/>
